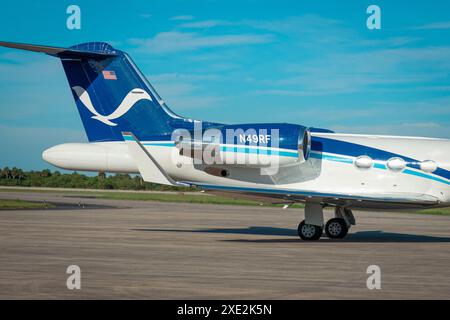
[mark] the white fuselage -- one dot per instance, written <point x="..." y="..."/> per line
<point x="325" y="172"/>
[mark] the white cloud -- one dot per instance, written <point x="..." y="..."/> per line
<point x="35" y="86"/>
<point x="389" y="41"/>
<point x="434" y="26"/>
<point x="386" y="70"/>
<point x="309" y="28"/>
<point x="182" y="18"/>
<point x="185" y="103"/>
<point x="183" y="77"/>
<point x="174" y="41"/>
<point x="185" y="91"/>
<point x="29" y="68"/>
<point x="419" y="129"/>
<point x="297" y="24"/>
<point x="421" y="125"/>
<point x="291" y="24"/>
<point x="205" y="24"/>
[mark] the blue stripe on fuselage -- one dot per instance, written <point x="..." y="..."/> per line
<point x="269" y="152"/>
<point x="377" y="166"/>
<point x="320" y="144"/>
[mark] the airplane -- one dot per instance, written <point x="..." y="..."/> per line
<point x="130" y="129"/>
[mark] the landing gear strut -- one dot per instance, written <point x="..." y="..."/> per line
<point x="311" y="228"/>
<point x="336" y="228"/>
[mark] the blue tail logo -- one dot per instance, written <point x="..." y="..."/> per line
<point x="127" y="103"/>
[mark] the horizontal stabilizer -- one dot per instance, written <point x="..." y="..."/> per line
<point x="148" y="167"/>
<point x="97" y="50"/>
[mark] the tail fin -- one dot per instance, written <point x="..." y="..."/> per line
<point x="111" y="94"/>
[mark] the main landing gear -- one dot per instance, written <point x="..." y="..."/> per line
<point x="336" y="228"/>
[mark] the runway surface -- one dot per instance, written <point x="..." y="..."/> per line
<point x="155" y="250"/>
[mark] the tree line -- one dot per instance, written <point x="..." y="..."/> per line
<point x="46" y="178"/>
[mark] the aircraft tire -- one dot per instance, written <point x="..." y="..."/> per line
<point x="336" y="228"/>
<point x="309" y="232"/>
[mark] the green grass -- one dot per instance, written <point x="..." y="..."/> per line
<point x="213" y="199"/>
<point x="199" y="197"/>
<point x="20" y="204"/>
<point x="437" y="211"/>
<point x="167" y="197"/>
<point x="177" y="197"/>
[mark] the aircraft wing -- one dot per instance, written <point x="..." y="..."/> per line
<point x="283" y="196"/>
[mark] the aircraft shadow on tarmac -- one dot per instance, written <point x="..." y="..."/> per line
<point x="360" y="236"/>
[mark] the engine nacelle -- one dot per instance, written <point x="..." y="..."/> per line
<point x="255" y="145"/>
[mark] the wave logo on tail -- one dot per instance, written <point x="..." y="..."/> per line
<point x="127" y="103"/>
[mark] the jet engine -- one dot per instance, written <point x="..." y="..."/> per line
<point x="254" y="145"/>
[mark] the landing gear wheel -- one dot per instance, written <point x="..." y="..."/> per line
<point x="309" y="231"/>
<point x="336" y="228"/>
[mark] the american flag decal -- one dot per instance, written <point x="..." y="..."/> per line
<point x="109" y="75"/>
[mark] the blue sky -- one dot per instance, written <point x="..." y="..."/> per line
<point x="313" y="63"/>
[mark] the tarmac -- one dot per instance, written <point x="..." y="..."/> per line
<point x="158" y="250"/>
